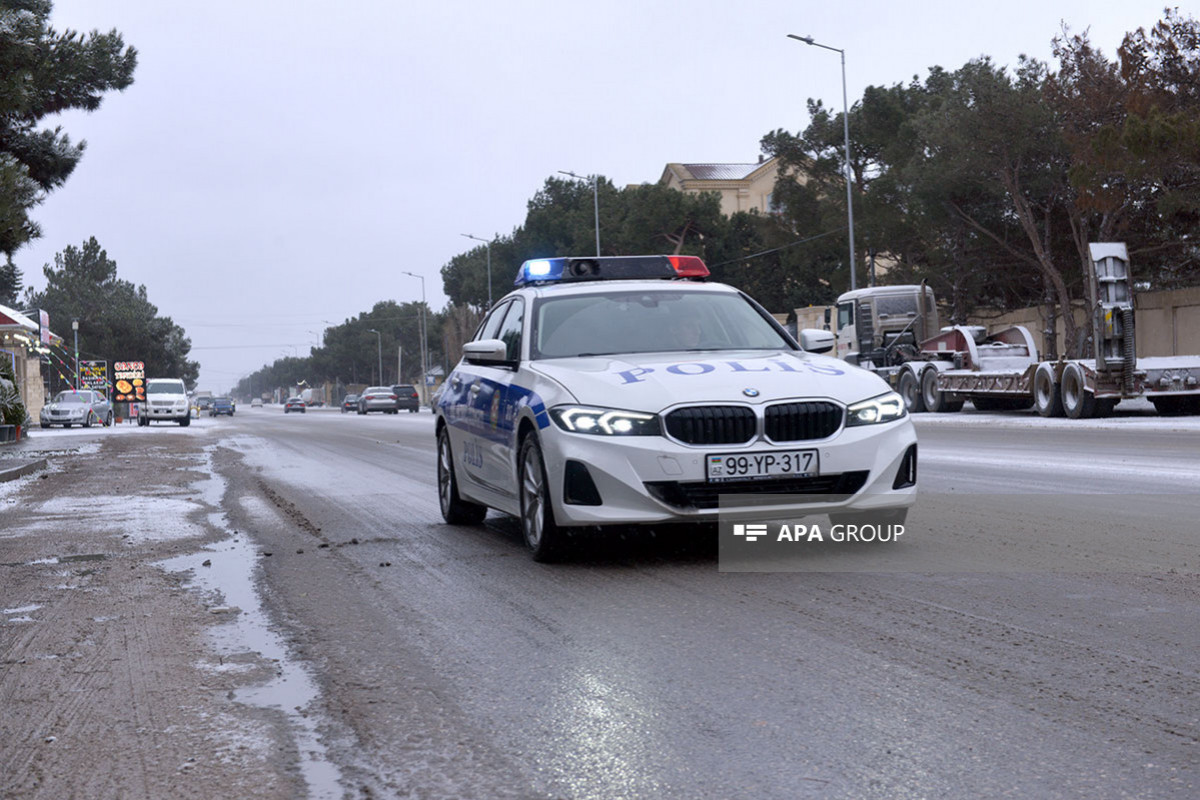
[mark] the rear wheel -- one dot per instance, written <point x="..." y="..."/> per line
<point x="934" y="398"/>
<point x="542" y="534"/>
<point x="1078" y="402"/>
<point x="1047" y="394"/>
<point x="108" y="420"/>
<point x="910" y="389"/>
<point x="455" y="510"/>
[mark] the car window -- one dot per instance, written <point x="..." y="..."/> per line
<point x="164" y="387"/>
<point x="492" y="323"/>
<point x="510" y="330"/>
<point x="650" y="321"/>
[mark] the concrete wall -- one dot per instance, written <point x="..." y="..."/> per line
<point x="1168" y="323"/>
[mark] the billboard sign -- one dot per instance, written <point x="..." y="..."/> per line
<point x="94" y="375"/>
<point x="44" y="319"/>
<point x="129" y="378"/>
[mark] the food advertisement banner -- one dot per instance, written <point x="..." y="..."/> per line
<point x="130" y="381"/>
<point x="94" y="375"/>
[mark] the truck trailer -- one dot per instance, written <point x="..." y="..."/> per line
<point x="893" y="331"/>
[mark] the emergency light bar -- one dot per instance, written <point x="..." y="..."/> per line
<point x="565" y="270"/>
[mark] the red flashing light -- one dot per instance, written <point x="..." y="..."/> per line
<point x="688" y="266"/>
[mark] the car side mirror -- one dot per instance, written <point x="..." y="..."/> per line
<point x="816" y="341"/>
<point x="486" y="351"/>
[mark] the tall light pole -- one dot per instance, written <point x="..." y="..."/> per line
<point x="846" y="140"/>
<point x="379" y="346"/>
<point x="424" y="347"/>
<point x="75" y="327"/>
<point x="488" y="244"/>
<point x="595" y="201"/>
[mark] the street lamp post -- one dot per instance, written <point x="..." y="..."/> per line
<point x="488" y="243"/>
<point x="595" y="201"/>
<point x="75" y="327"/>
<point x="846" y="141"/>
<point x="424" y="345"/>
<point x="379" y="347"/>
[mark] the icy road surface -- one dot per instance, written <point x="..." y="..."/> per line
<point x="435" y="661"/>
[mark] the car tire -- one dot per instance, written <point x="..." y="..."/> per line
<point x="108" y="420"/>
<point x="455" y="510"/>
<point x="1078" y="402"/>
<point x="542" y="535"/>
<point x="909" y="388"/>
<point x="87" y="421"/>
<point x="185" y="421"/>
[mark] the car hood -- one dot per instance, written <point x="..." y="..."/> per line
<point x="653" y="381"/>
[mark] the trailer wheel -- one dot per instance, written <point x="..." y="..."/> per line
<point x="1077" y="401"/>
<point x="935" y="399"/>
<point x="910" y="389"/>
<point x="1047" y="394"/>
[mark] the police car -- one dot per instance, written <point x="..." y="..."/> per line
<point x="626" y="390"/>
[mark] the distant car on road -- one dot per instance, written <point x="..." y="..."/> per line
<point x="221" y="405"/>
<point x="256" y="402"/>
<point x="379" y="398"/>
<point x="350" y="403"/>
<point x="293" y="404"/>
<point x="84" y="408"/>
<point x="408" y="397"/>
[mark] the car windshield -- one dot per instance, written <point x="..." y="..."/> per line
<point x="650" y="321"/>
<point x="73" y="398"/>
<point x="164" y="387"/>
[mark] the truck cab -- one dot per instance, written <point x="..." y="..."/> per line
<point x="882" y="326"/>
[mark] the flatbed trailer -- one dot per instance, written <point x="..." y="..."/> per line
<point x="1003" y="370"/>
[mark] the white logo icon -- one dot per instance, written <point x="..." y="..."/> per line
<point x="751" y="532"/>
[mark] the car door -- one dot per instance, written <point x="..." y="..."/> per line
<point x="466" y="401"/>
<point x="500" y="404"/>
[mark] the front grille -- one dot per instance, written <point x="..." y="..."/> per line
<point x="712" y="424"/>
<point x="797" y="422"/>
<point x="691" y="496"/>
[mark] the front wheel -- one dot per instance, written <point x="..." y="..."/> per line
<point x="542" y="534"/>
<point x="455" y="510"/>
<point x="108" y="420"/>
<point x="184" y="422"/>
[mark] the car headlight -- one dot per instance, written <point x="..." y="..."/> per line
<point x="605" y="421"/>
<point x="885" y="408"/>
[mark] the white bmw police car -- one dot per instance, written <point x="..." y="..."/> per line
<point x="626" y="390"/>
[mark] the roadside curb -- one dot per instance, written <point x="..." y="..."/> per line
<point x="19" y="472"/>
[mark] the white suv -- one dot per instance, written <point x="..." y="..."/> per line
<point x="166" y="399"/>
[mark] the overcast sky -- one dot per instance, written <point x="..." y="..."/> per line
<point x="276" y="163"/>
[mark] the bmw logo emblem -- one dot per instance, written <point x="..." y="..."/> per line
<point x="750" y="392"/>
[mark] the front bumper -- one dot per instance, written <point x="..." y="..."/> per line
<point x="164" y="412"/>
<point x="652" y="479"/>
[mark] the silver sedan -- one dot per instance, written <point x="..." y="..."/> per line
<point x="84" y="408"/>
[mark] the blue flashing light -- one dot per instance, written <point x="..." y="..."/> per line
<point x="547" y="270"/>
<point x="540" y="269"/>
